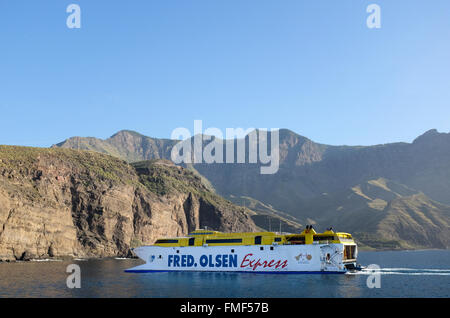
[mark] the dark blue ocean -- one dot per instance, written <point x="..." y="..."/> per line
<point x="402" y="274"/>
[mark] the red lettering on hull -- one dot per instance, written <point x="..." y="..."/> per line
<point x="254" y="264"/>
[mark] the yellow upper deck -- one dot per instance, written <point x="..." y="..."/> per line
<point x="215" y="238"/>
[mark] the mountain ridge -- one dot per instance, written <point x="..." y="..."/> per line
<point x="308" y="169"/>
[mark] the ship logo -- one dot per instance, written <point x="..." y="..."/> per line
<point x="303" y="258"/>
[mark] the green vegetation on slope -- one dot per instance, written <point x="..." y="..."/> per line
<point x="106" y="167"/>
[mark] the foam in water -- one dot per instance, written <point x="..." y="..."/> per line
<point x="403" y="271"/>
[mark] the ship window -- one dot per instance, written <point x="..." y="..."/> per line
<point x="271" y="248"/>
<point x="192" y="241"/>
<point x="278" y="239"/>
<point x="160" y="256"/>
<point x="178" y="251"/>
<point x="261" y="248"/>
<point x="232" y="251"/>
<point x="324" y="238"/>
<point x="201" y="233"/>
<point x="221" y="241"/>
<point x="296" y="239"/>
<point x="166" y="241"/>
<point x="349" y="252"/>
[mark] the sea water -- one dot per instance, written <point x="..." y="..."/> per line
<point x="402" y="274"/>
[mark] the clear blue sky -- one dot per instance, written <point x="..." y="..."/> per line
<point x="151" y="66"/>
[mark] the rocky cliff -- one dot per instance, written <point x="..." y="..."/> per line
<point x="63" y="202"/>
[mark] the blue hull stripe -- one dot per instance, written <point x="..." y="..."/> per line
<point x="246" y="272"/>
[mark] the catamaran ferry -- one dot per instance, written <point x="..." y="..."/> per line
<point x="254" y="252"/>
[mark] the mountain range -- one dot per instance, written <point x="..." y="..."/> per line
<point x="395" y="195"/>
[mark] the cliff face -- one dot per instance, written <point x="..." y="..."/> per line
<point x="61" y="202"/>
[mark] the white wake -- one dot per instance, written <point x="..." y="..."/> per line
<point x="403" y="271"/>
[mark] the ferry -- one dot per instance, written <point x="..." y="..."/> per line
<point x="251" y="252"/>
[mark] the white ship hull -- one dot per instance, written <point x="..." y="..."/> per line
<point x="312" y="258"/>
